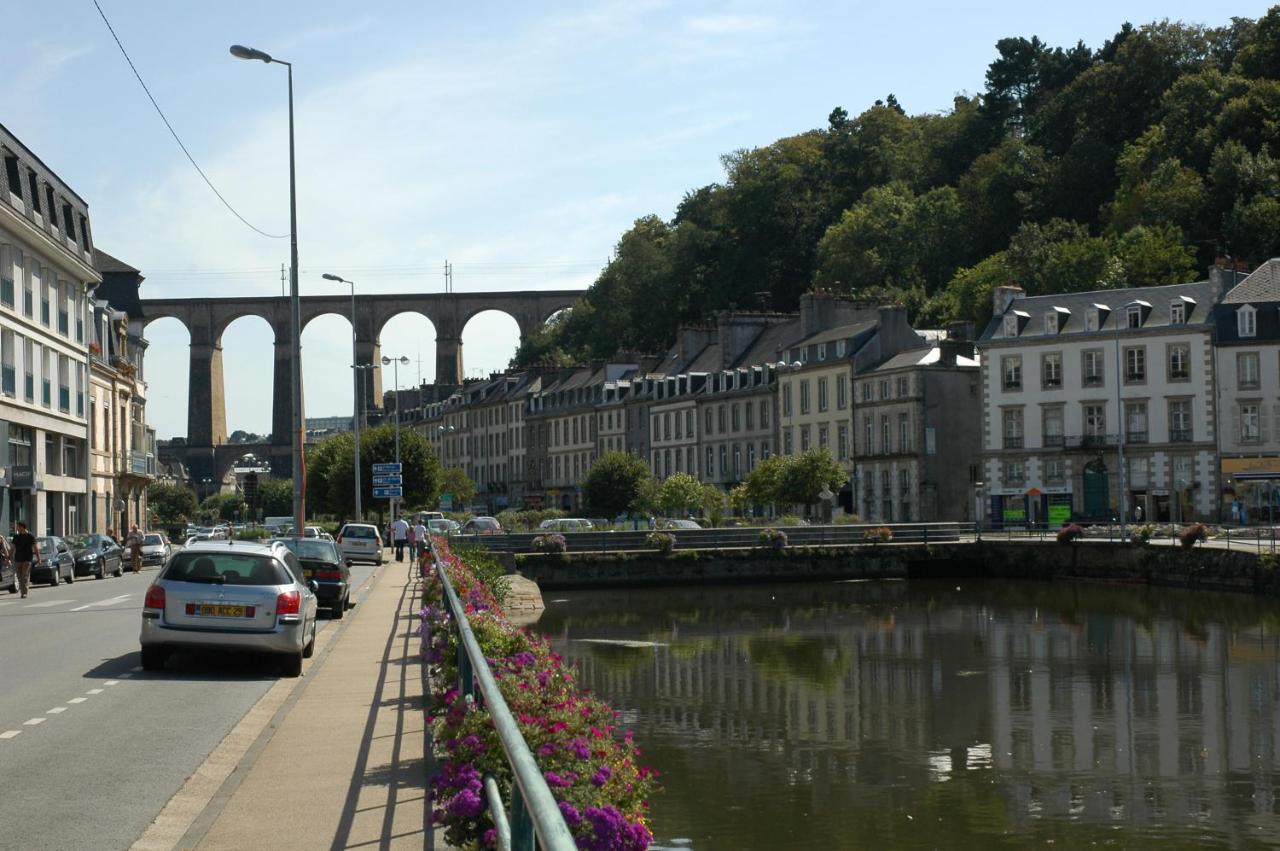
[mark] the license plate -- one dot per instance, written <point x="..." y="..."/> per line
<point x="308" y="572"/>
<point x="218" y="610"/>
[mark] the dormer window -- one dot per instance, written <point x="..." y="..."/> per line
<point x="1051" y="323"/>
<point x="1177" y="312"/>
<point x="839" y="348"/>
<point x="1247" y="321"/>
<point x="1133" y="316"/>
<point x="1011" y="325"/>
<point x="822" y="351"/>
<point x="1091" y="321"/>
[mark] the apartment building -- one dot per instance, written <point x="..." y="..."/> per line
<point x="738" y="426"/>
<point x="46" y="275"/>
<point x="1072" y="383"/>
<point x="917" y="439"/>
<point x="673" y="425"/>
<point x="1247" y="328"/>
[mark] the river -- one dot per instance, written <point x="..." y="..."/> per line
<point x="924" y="714"/>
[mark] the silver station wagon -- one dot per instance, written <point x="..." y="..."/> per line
<point x="235" y="596"/>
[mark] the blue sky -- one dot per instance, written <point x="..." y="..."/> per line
<point x="517" y="140"/>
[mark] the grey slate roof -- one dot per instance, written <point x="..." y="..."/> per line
<point x="1202" y="297"/>
<point x="1262" y="284"/>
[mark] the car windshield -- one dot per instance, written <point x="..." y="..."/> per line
<point x="309" y="549"/>
<point x="484" y="523"/>
<point x="152" y="541"/>
<point x="358" y="532"/>
<point x="228" y="568"/>
<point x="83" y="541"/>
<point x="439" y="524"/>
<point x="46" y="545"/>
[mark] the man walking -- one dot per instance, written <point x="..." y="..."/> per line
<point x="135" y="548"/>
<point x="400" y="531"/>
<point x="25" y="551"/>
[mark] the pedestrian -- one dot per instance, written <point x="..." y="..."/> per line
<point x="1138" y="513"/>
<point x="25" y="551"/>
<point x="400" y="533"/>
<point x="421" y="533"/>
<point x="411" y="538"/>
<point x="135" y="547"/>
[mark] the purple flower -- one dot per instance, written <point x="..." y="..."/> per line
<point x="580" y="748"/>
<point x="571" y="815"/>
<point x="602" y="775"/>
<point x="556" y="780"/>
<point x="466" y="804"/>
<point x="490" y="838"/>
<point x="472" y="743"/>
<point x="546" y="749"/>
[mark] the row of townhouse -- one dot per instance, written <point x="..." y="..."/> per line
<point x="75" y="453"/>
<point x="727" y="396"/>
<point x="1161" y="402"/>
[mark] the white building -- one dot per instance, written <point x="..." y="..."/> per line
<point x="1073" y="382"/>
<point x="46" y="272"/>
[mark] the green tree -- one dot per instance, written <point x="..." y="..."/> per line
<point x="712" y="501"/>
<point x="680" y="493"/>
<point x="647" y="497"/>
<point x="454" y="481"/>
<point x="613" y="482"/>
<point x="807" y="474"/>
<point x="172" y="503"/>
<point x="275" y="496"/>
<point x="331" y="477"/>
<point x="222" y="506"/>
<point x="763" y="485"/>
<point x="1154" y="255"/>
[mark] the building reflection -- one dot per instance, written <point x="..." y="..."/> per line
<point x="1140" y="721"/>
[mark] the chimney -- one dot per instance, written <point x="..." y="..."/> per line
<point x="960" y="331"/>
<point x="1004" y="296"/>
<point x="691" y="341"/>
<point x="951" y="349"/>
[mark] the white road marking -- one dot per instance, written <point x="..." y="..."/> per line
<point x="126" y="676"/>
<point x="77" y="700"/>
<point x="94" y="691"/>
<point x="108" y="602"/>
<point x="55" y="710"/>
<point x="136" y="668"/>
<point x="31" y="722"/>
<point x="47" y="603"/>
<point x="9" y="734"/>
<point x="114" y="682"/>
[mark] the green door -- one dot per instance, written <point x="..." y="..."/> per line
<point x="1097" y="501"/>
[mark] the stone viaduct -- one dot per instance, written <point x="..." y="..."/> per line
<point x="207" y="453"/>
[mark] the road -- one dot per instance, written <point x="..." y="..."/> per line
<point x="91" y="747"/>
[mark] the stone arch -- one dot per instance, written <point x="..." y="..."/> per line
<point x="169" y="378"/>
<point x="245" y="352"/>
<point x="396" y="339"/>
<point x="326" y="363"/>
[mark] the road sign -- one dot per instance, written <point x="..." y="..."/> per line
<point x="389" y="467"/>
<point x="388" y="479"/>
<point x="392" y="492"/>
<point x="446" y="502"/>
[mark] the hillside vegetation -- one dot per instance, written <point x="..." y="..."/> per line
<point x="1132" y="164"/>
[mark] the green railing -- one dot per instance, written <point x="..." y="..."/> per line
<point x="534" y="819"/>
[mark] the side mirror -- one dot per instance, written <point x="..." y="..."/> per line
<point x="314" y="586"/>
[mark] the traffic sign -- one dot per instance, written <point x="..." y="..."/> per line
<point x="393" y="492"/>
<point x="388" y="467"/>
<point x="388" y="479"/>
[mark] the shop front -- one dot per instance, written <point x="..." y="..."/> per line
<point x="1034" y="508"/>
<point x="1251" y="490"/>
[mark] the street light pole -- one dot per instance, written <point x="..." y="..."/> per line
<point x="395" y="371"/>
<point x="295" y="311"/>
<point x="355" y="391"/>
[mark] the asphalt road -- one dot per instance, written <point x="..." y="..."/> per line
<point x="91" y="747"/>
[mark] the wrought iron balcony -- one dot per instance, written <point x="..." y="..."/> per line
<point x="1179" y="435"/>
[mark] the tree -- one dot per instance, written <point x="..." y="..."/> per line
<point x="647" y="497"/>
<point x="613" y="482"/>
<point x="331" y="478"/>
<point x="275" y="497"/>
<point x="454" y="482"/>
<point x="680" y="492"/>
<point x="805" y="476"/>
<point x="712" y="503"/>
<point x="172" y="503"/>
<point x="222" y="506"/>
<point x="763" y="485"/>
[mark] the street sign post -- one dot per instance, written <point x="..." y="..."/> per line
<point x="388" y="479"/>
<point x="386" y="467"/>
<point x="390" y="492"/>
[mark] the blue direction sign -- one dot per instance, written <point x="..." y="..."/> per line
<point x="393" y="492"/>
<point x="388" y="479"/>
<point x="388" y="467"/>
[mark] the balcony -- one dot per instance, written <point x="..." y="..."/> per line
<point x="1093" y="381"/>
<point x="1051" y="382"/>
<point x="1053" y="441"/>
<point x="138" y="463"/>
<point x="1179" y="435"/>
<point x="1135" y="437"/>
<point x="1013" y="441"/>
<point x="1089" y="441"/>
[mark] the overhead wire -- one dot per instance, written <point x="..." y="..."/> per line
<point x="174" y="133"/>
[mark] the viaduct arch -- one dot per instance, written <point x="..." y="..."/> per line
<point x="206" y="318"/>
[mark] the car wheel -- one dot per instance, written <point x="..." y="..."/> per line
<point x="55" y="577"/>
<point x="339" y="609"/>
<point x="102" y="572"/>
<point x="311" y="645"/>
<point x="71" y="575"/>
<point x="153" y="658"/>
<point x="291" y="665"/>
<point x="119" y="569"/>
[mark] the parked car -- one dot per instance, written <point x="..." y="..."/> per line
<point x="56" y="562"/>
<point x="232" y="596"/>
<point x="8" y="577"/>
<point x="155" y="548"/>
<point x="677" y="524"/>
<point x="321" y="561"/>
<point x="360" y="542"/>
<point x="96" y="556"/>
<point x="482" y="526"/>
<point x="566" y="524"/>
<point x="443" y="526"/>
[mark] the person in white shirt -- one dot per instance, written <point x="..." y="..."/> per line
<point x="420" y="535"/>
<point x="400" y="531"/>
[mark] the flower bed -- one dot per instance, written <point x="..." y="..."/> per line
<point x="593" y="773"/>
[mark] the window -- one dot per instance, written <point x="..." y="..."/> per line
<point x="1014" y="473"/>
<point x="1091" y="320"/>
<point x="788" y="442"/>
<point x="1247" y="370"/>
<point x="720" y="425"/>
<point x="867" y="430"/>
<point x="679" y="426"/>
<point x="710" y="426"/>
<point x="1139" y="470"/>
<point x="64" y="384"/>
<point x="1011" y="369"/>
<point x="904" y="432"/>
<point x="866" y="391"/>
<point x="1177" y="312"/>
<point x="842" y="392"/>
<point x="904" y="481"/>
<point x="1093" y="367"/>
<point x="764" y="413"/>
<point x="884" y="389"/>
<point x="28" y="370"/>
<point x="1055" y="471"/>
<point x="68" y="221"/>
<point x="1051" y="322"/>
<point x="1012" y="429"/>
<point x="1051" y="370"/>
<point x="1135" y="364"/>
<point x="1179" y="362"/>
<point x="1051" y="423"/>
<point x="7" y="263"/>
<point x="1095" y="423"/>
<point x="63" y="293"/>
<point x="44" y="301"/>
<point x="710" y="471"/>
<point x="688" y="422"/>
<point x="1250" y="423"/>
<point x="822" y="351"/>
<point x="33" y="183"/>
<point x="786" y="402"/>
<point x="839" y="348"/>
<point x="735" y="417"/>
<point x="749" y="410"/>
<point x="8" y="371"/>
<point x="28" y="293"/>
<point x="822" y="394"/>
<point x="842" y="442"/>
<point x="824" y="437"/>
<point x="886" y="444"/>
<point x="1135" y="422"/>
<point x="724" y="461"/>
<point x="751" y="457"/>
<point x="80" y="391"/>
<point x="804" y="438"/>
<point x="11" y="171"/>
<point x="46" y="378"/>
<point x="737" y="462"/>
<point x="1247" y="321"/>
<point x="52" y="206"/>
<point x="804" y="396"/>
<point x="1133" y="316"/>
<point x="1011" y="325"/>
<point x="1179" y="420"/>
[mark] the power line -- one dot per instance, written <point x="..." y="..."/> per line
<point x="174" y="133"/>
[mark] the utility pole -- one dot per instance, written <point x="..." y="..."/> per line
<point x="284" y="278"/>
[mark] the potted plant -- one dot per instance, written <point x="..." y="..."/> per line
<point x="1070" y="533"/>
<point x="551" y="543"/>
<point x="663" y="542"/>
<point x="773" y="538"/>
<point x="1192" y="535"/>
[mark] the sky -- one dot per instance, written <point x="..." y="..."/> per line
<point x="515" y="140"/>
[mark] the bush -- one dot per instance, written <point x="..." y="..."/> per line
<point x="878" y="535"/>
<point x="1069" y="533"/>
<point x="552" y="543"/>
<point x="790" y="520"/>
<point x="252" y="533"/>
<point x="663" y="542"/>
<point x="774" y="538"/>
<point x="1192" y="535"/>
<point x="846" y="520"/>
<point x="1142" y="534"/>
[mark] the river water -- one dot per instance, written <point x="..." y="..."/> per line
<point x="913" y="714"/>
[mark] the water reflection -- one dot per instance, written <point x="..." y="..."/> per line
<point x="925" y="715"/>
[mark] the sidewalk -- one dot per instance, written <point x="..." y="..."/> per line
<point x="345" y="766"/>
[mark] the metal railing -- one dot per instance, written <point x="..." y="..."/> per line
<point x="534" y="819"/>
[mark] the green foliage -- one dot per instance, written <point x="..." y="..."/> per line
<point x="454" y="481"/>
<point x="808" y="473"/>
<point x="680" y="493"/>
<point x="330" y="473"/>
<point x="613" y="483"/>
<point x="252" y="533"/>
<point x="221" y="506"/>
<point x="275" y="497"/>
<point x="663" y="542"/>
<point x="172" y="503"/>
<point x="484" y="565"/>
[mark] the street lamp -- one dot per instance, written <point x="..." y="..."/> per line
<point x="355" y="388"/>
<point x="295" y="309"/>
<point x="395" y="371"/>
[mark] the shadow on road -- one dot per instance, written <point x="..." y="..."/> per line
<point x="191" y="665"/>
